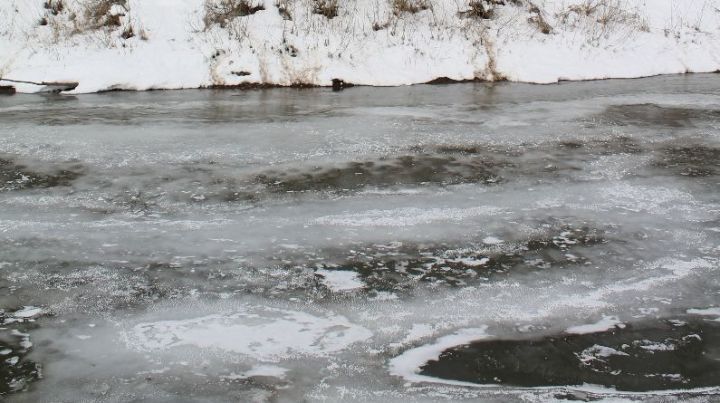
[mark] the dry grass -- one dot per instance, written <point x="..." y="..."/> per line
<point x="538" y="19"/>
<point x="327" y="8"/>
<point x="478" y="10"/>
<point x="98" y="13"/>
<point x="105" y="21"/>
<point x="128" y="32"/>
<point x="400" y="7"/>
<point x="55" y="7"/>
<point x="484" y="9"/>
<point x="222" y="12"/>
<point x="283" y="7"/>
<point x="600" y="18"/>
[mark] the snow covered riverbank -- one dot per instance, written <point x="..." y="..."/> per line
<point x="170" y="44"/>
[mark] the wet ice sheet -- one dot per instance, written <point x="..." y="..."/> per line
<point x="270" y="245"/>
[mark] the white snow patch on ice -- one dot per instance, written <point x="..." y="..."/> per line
<point x="260" y="370"/>
<point x="383" y="296"/>
<point x="417" y="332"/>
<point x="340" y="280"/>
<point x="606" y="323"/>
<point x="470" y="261"/>
<point x="597" y="352"/>
<point x="28" y="312"/>
<point x="706" y="312"/>
<point x="405" y="216"/>
<point x="264" y="333"/>
<point x="491" y="240"/>
<point x="651" y="346"/>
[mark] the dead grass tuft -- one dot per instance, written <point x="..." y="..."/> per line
<point x="222" y="12"/>
<point x="98" y="13"/>
<point x="409" y="6"/>
<point x="327" y="8"/>
<point x="283" y="7"/>
<point x="603" y="17"/>
<point x="55" y="7"/>
<point x="128" y="32"/>
<point x="482" y="9"/>
<point x="538" y="19"/>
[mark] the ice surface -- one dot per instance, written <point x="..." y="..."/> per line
<point x="203" y="245"/>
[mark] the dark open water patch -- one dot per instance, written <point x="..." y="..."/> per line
<point x="389" y="171"/>
<point x="654" y="355"/>
<point x="17" y="372"/>
<point x="656" y="115"/>
<point x="210" y="182"/>
<point x="602" y="146"/>
<point x="434" y="165"/>
<point x="17" y="176"/>
<point x="419" y="166"/>
<point x="692" y="160"/>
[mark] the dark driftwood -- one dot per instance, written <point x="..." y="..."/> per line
<point x="7" y="90"/>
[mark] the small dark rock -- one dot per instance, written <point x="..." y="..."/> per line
<point x="339" y="85"/>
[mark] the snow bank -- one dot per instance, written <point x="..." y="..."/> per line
<point x="170" y="44"/>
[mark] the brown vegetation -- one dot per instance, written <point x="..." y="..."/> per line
<point x="98" y="13"/>
<point x="222" y="12"/>
<point x="327" y="8"/>
<point x="55" y="7"/>
<point x="483" y="9"/>
<point x="409" y="6"/>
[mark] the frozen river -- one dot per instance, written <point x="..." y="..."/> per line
<point x="502" y="242"/>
